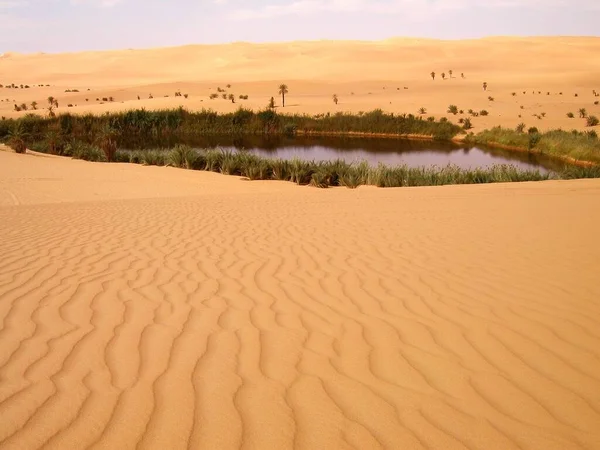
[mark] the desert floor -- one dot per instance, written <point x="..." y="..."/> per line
<point x="153" y="307"/>
<point x="393" y="75"/>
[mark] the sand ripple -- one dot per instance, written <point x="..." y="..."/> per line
<point x="444" y="318"/>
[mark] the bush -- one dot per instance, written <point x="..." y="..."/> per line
<point x="87" y="152"/>
<point x="453" y="109"/>
<point x="483" y="112"/>
<point x="592" y="121"/>
<point x="182" y="156"/>
<point x="520" y="128"/>
<point x="153" y="157"/>
<point x="570" y="115"/>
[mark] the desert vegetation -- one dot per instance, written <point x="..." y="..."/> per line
<point x="107" y="131"/>
<point x="321" y="174"/>
<point x="283" y="90"/>
<point x="574" y="145"/>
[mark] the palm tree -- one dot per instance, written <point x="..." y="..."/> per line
<point x="432" y="75"/>
<point x="422" y="111"/>
<point x="51" y="100"/>
<point x="56" y="103"/>
<point x="335" y="99"/>
<point x="582" y="113"/>
<point x="34" y="105"/>
<point x="283" y="89"/>
<point x="450" y="73"/>
<point x="485" y="86"/>
<point x="16" y="139"/>
<point x="443" y="76"/>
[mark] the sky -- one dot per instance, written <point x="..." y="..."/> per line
<point x="74" y="25"/>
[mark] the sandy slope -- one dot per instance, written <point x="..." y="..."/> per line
<point x="162" y="308"/>
<point x="365" y="76"/>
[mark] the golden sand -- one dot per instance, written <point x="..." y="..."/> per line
<point x="158" y="308"/>
<point x="364" y="75"/>
<point x="153" y="307"/>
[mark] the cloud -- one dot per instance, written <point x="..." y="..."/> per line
<point x="405" y="7"/>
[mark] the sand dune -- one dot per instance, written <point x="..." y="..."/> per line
<point x="364" y="75"/>
<point x="147" y="307"/>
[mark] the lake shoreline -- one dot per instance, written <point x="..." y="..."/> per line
<point x="463" y="139"/>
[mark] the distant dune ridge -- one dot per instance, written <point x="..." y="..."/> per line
<point x="356" y="71"/>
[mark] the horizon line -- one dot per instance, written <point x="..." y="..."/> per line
<point x="199" y="44"/>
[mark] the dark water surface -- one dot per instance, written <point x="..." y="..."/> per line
<point x="390" y="151"/>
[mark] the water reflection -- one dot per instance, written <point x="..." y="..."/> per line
<point x="387" y="151"/>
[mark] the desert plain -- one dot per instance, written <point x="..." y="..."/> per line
<point x="154" y="307"/>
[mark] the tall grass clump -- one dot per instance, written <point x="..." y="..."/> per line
<point x="182" y="156"/>
<point x="573" y="172"/>
<point x="281" y="169"/>
<point x="301" y="171"/>
<point x="154" y="157"/>
<point x="87" y="152"/>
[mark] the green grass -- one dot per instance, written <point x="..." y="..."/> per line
<point x="580" y="146"/>
<point x="323" y="174"/>
<point x="180" y="122"/>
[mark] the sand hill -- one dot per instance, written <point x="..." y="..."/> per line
<point x="364" y="75"/>
<point x="159" y="308"/>
<point x="152" y="308"/>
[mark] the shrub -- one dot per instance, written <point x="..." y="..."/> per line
<point x="320" y="179"/>
<point x="281" y="170"/>
<point x="300" y="171"/>
<point x="467" y="124"/>
<point x="182" y="156"/>
<point x="153" y="157"/>
<point x="255" y="168"/>
<point x="483" y="112"/>
<point x="453" y="109"/>
<point x="570" y="115"/>
<point x="16" y="138"/>
<point x="592" y="121"/>
<point x="520" y="128"/>
<point x="532" y="130"/>
<point x="491" y="99"/>
<point x="87" y="152"/>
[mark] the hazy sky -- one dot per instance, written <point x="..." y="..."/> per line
<point x="71" y="25"/>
